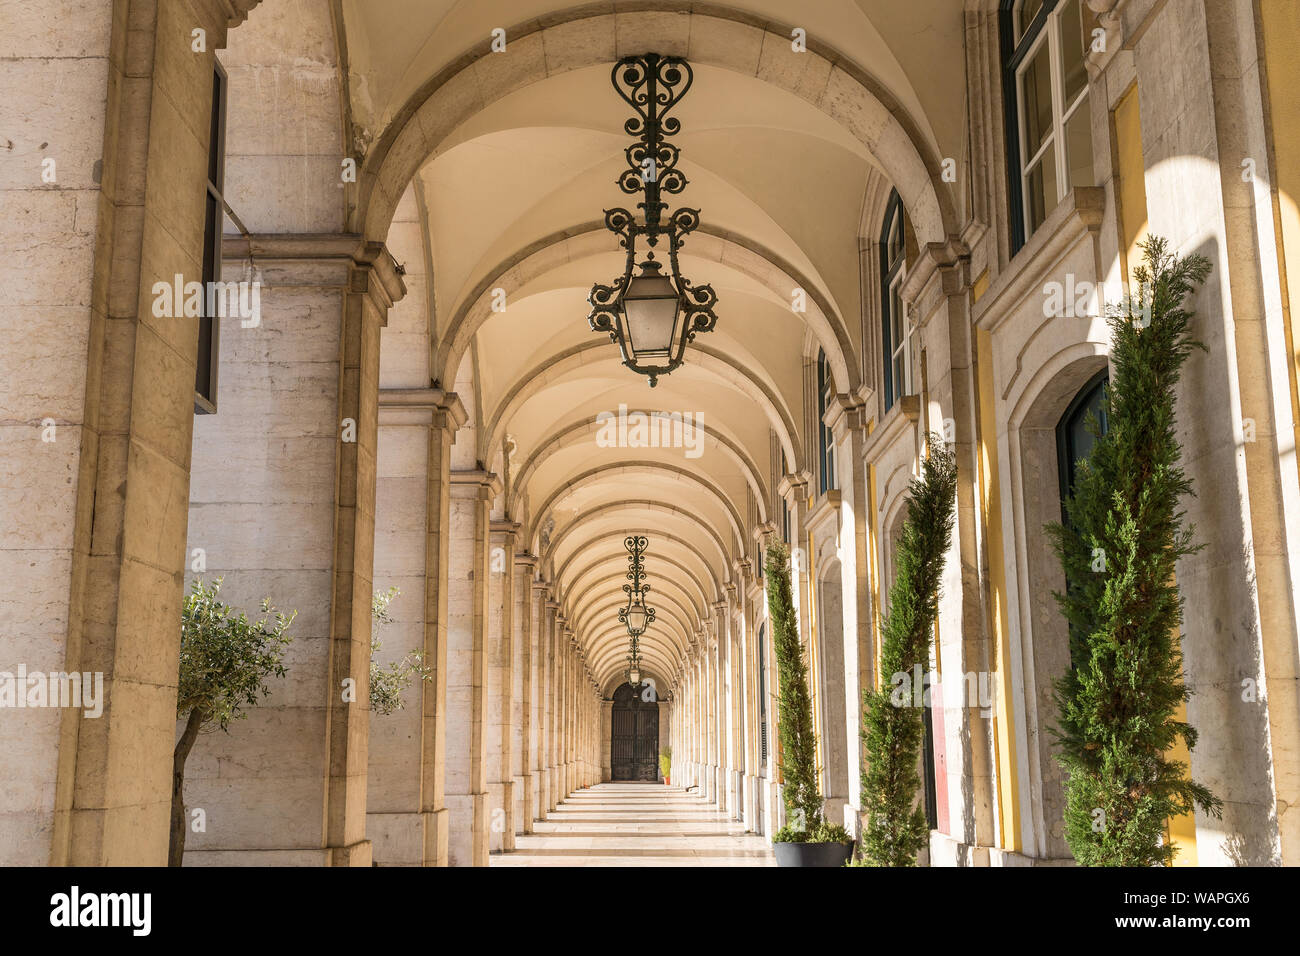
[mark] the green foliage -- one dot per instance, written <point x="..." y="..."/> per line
<point x="823" y="832"/>
<point x="1125" y="531"/>
<point x="895" y="827"/>
<point x="803" y="802"/>
<point x="224" y="664"/>
<point x="225" y="657"/>
<point x="387" y="683"/>
<point x="665" y="761"/>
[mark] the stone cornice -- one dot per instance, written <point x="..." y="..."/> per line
<point x="488" y="484"/>
<point x="827" y="507"/>
<point x="844" y="413"/>
<point x="504" y="526"/>
<point x="940" y="270"/>
<point x="906" y="412"/>
<point x="1077" y="216"/>
<point x="289" y="260"/>
<point x="792" y="485"/>
<point x="406" y="406"/>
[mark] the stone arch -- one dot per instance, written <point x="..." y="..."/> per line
<point x="593" y="603"/>
<point x="822" y="319"/>
<point x="703" y="358"/>
<point x="651" y="505"/>
<point x="583" y="429"/>
<point x="705" y="597"/>
<point x="1036" y="623"/>
<point x="707" y="34"/>
<point x="622" y="467"/>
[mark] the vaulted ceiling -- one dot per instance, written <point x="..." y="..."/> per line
<point x="512" y="200"/>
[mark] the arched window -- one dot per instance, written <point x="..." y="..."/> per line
<point x="897" y="335"/>
<point x="1074" y="441"/>
<point x="825" y="393"/>
<point x="1048" y="120"/>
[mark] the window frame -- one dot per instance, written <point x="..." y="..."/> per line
<point x="893" y="273"/>
<point x="826" y="450"/>
<point x="208" y="356"/>
<point x="1018" y="53"/>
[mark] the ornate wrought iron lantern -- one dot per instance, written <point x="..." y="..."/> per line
<point x="636" y="615"/>
<point x="652" y="315"/>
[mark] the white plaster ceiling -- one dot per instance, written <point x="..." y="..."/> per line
<point x="779" y="178"/>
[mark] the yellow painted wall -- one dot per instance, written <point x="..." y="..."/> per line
<point x="1004" y="733"/>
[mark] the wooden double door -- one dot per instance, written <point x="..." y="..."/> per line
<point x="634" y="728"/>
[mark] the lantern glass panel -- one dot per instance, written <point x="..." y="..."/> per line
<point x="651" y="309"/>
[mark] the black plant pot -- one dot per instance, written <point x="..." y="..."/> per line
<point x="812" y="854"/>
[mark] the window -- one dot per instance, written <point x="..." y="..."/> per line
<point x="825" y="395"/>
<point x="1049" y="122"/>
<point x="1074" y="440"/>
<point x="205" y="372"/>
<point x="898" y="336"/>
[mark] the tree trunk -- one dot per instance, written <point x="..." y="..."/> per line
<point x="176" y="849"/>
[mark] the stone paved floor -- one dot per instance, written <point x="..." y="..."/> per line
<point x="637" y="824"/>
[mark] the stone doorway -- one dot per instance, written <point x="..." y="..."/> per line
<point x="634" y="736"/>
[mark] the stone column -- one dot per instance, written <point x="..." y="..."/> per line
<point x="472" y="493"/>
<point x="554" y="783"/>
<point x="566" y="703"/>
<point x="722" y="702"/>
<point x="522" y="720"/>
<point x="502" y="696"/>
<point x="405" y="814"/>
<point x="697" y="718"/>
<point x="96" y="416"/>
<point x="847" y="421"/>
<point x="282" y="505"/>
<point x="447" y="417"/>
<point x="537" y="702"/>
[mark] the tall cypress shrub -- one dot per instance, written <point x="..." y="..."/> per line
<point x="798" y="763"/>
<point x="1124" y="532"/>
<point x="895" y="827"/>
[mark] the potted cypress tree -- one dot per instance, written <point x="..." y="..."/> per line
<point x="895" y="827"/>
<point x="1118" y="703"/>
<point x="806" y="839"/>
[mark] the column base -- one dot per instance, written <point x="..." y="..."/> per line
<point x="437" y="828"/>
<point x="398" y="839"/>
<point x="525" y="801"/>
<point x="501" y="827"/>
<point x="468" y="830"/>
<point x="752" y="809"/>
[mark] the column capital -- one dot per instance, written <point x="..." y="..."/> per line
<point x="403" y="406"/>
<point x="793" y="485"/>
<point x="505" y="526"/>
<point x="478" y="483"/>
<point x="315" y="260"/>
<point x="847" y="412"/>
<point x="528" y="559"/>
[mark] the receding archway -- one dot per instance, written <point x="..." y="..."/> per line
<point x="634" y="735"/>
